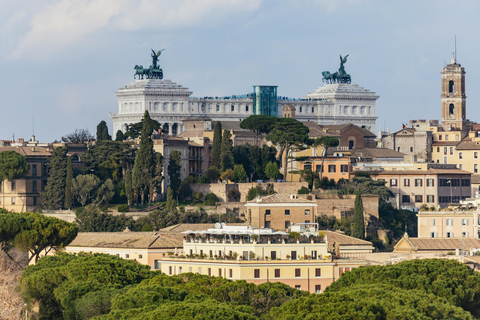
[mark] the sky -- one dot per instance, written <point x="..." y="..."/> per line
<point x="63" y="60"/>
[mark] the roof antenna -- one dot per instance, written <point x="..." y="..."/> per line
<point x="455" y="49"/>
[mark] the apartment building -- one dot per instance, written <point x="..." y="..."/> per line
<point x="23" y="195"/>
<point x="423" y="184"/>
<point x="307" y="262"/>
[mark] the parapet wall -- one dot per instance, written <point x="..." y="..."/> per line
<point x="221" y="189"/>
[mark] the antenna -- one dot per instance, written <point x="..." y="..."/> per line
<point x="455" y="49"/>
<point x="33" y="125"/>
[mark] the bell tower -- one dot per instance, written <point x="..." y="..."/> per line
<point x="453" y="96"/>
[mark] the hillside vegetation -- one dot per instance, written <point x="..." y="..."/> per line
<point x="98" y="286"/>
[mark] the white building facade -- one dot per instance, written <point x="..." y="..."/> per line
<point x="169" y="103"/>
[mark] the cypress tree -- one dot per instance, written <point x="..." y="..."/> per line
<point x="171" y="204"/>
<point x="102" y="131"/>
<point x="119" y="136"/>
<point x="68" y="184"/>
<point x="358" y="222"/>
<point x="128" y="186"/>
<point x="226" y="154"/>
<point x="174" y="167"/>
<point x="144" y="166"/>
<point x="217" y="145"/>
<point x="53" y="197"/>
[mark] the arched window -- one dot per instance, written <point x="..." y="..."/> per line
<point x="451" y="109"/>
<point x="451" y="86"/>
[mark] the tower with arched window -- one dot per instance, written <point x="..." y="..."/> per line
<point x="453" y="96"/>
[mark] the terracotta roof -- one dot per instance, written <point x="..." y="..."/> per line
<point x="475" y="178"/>
<point x="445" y="143"/>
<point x="178" y="228"/>
<point x="28" y="151"/>
<point x="418" y="172"/>
<point x="442" y="243"/>
<point x="343" y="239"/>
<point x="281" y="197"/>
<point x="468" y="144"/>
<point x="288" y="106"/>
<point x="139" y="240"/>
<point x="340" y="128"/>
<point x="315" y="130"/>
<point x="378" y="153"/>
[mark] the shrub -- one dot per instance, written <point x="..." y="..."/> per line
<point x="190" y="180"/>
<point x="202" y="179"/>
<point x="303" y="190"/>
<point x="123" y="208"/>
<point x="254" y="192"/>
<point x="211" y="199"/>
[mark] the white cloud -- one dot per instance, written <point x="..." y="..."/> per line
<point x="67" y="22"/>
<point x="337" y="5"/>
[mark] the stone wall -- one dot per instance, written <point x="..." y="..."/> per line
<point x="334" y="205"/>
<point x="221" y="189"/>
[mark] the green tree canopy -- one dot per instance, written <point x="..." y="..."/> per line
<point x="34" y="233"/>
<point x="144" y="167"/>
<point x="174" y="168"/>
<point x="53" y="197"/>
<point x="375" y="301"/>
<point x="447" y="279"/>
<point x="84" y="187"/>
<point x="68" y="184"/>
<point x="102" y="131"/>
<point x="134" y="130"/>
<point x="57" y="282"/>
<point x="271" y="170"/>
<point x="119" y="136"/>
<point x="212" y="174"/>
<point x="239" y="174"/>
<point x="289" y="135"/>
<point x="217" y="145"/>
<point x="258" y="124"/>
<point x="226" y="155"/>
<point x="157" y="175"/>
<point x="128" y="186"/>
<point x="358" y="221"/>
<point x="12" y="165"/>
<point x="107" y="159"/>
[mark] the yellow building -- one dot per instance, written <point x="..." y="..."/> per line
<point x="439" y="246"/>
<point x="448" y="224"/>
<point x="147" y="248"/>
<point x="423" y="184"/>
<point x="279" y="211"/>
<point x="305" y="262"/>
<point x="23" y="195"/>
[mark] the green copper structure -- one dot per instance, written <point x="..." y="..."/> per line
<point x="340" y="76"/>
<point x="153" y="72"/>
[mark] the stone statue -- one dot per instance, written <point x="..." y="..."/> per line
<point x="337" y="77"/>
